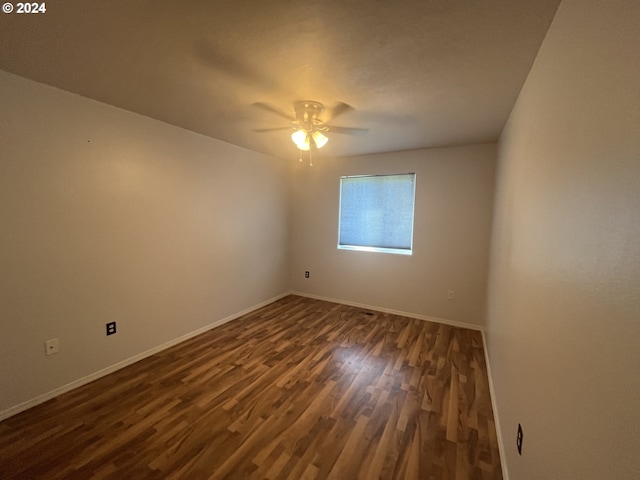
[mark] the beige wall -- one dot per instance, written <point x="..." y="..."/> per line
<point x="454" y="195"/>
<point x="564" y="303"/>
<point x="106" y="215"/>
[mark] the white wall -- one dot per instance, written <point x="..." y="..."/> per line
<point x="107" y="215"/>
<point x="564" y="304"/>
<point x="454" y="198"/>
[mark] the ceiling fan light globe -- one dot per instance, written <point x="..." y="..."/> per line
<point x="302" y="139"/>
<point x="299" y="136"/>
<point x="320" y="139"/>
<point x="305" y="147"/>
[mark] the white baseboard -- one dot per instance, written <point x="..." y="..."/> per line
<point x="129" y="361"/>
<point x="444" y="321"/>
<point x="494" y="406"/>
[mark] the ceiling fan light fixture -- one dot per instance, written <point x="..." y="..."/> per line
<point x="319" y="138"/>
<point x="309" y="130"/>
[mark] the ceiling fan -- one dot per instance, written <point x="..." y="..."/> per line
<point x="309" y="130"/>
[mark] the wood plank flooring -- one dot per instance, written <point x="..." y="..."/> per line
<point x="299" y="389"/>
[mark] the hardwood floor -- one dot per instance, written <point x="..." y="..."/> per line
<point x="299" y="389"/>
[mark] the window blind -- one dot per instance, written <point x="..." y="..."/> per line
<point x="376" y="213"/>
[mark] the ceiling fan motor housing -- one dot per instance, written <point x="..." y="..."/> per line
<point x="308" y="111"/>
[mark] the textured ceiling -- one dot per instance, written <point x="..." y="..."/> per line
<point x="419" y="73"/>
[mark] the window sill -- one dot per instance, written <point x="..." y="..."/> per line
<point x="396" y="251"/>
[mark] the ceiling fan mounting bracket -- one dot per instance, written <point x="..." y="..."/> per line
<point x="307" y="110"/>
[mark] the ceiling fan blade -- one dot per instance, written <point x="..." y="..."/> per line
<point x="271" y="129"/>
<point x="347" y="130"/>
<point x="338" y="109"/>
<point x="219" y="58"/>
<point x="269" y="108"/>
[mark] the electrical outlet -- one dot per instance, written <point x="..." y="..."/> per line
<point x="52" y="346"/>
<point x="306" y="274"/>
<point x="111" y="328"/>
<point x="451" y="295"/>
<point x="519" y="439"/>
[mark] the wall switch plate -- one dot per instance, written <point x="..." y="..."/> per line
<point x="519" y="439"/>
<point x="52" y="346"/>
<point x="306" y="274"/>
<point x="451" y="295"/>
<point x="111" y="328"/>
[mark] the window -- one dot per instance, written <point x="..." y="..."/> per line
<point x="376" y="213"/>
